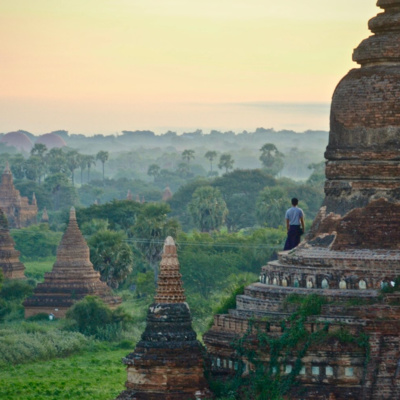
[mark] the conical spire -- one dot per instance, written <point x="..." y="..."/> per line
<point x="170" y="287"/>
<point x="167" y="363"/>
<point x="129" y="195"/>
<point x="71" y="279"/>
<point x="34" y="201"/>
<point x="73" y="248"/>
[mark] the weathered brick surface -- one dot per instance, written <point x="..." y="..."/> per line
<point x="168" y="362"/>
<point x="353" y="248"/>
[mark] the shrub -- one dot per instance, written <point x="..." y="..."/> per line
<point x="36" y="241"/>
<point x="91" y="316"/>
<point x="16" y="290"/>
<point x="26" y="347"/>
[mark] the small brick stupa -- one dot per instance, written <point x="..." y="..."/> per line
<point x="353" y="249"/>
<point x="71" y="279"/>
<point x="9" y="257"/>
<point x="167" y="363"/>
<point x="17" y="208"/>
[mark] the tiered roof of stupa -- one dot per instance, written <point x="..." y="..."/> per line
<point x="71" y="279"/>
<point x="168" y="361"/>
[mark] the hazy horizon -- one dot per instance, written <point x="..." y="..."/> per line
<point x="235" y="117"/>
<point x="101" y="67"/>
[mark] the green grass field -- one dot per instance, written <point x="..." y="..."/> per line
<point x="37" y="269"/>
<point x="98" y="375"/>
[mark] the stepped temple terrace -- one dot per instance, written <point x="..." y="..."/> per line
<point x="17" y="208"/>
<point x="167" y="363"/>
<point x="350" y="254"/>
<point x="71" y="279"/>
<point x="10" y="264"/>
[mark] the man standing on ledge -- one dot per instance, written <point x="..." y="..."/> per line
<point x="294" y="217"/>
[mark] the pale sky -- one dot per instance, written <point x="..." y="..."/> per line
<point x="102" y="66"/>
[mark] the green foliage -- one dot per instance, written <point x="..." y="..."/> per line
<point x="111" y="256"/>
<point x="36" y="269"/>
<point x="12" y="293"/>
<point x="36" y="241"/>
<point x="240" y="189"/>
<point x="1" y="278"/>
<point x="391" y="288"/>
<point x="63" y="194"/>
<point x="153" y="170"/>
<point x="95" y="225"/>
<point x="271" y="158"/>
<point x="211" y="155"/>
<point x="230" y="302"/>
<point x="93" y="375"/>
<point x="150" y="230"/>
<point x="14" y="289"/>
<point x="317" y="178"/>
<point x="91" y="316"/>
<point x="181" y="199"/>
<point x="24" y="347"/>
<point x="208" y="208"/>
<point x="188" y="155"/>
<point x="145" y="284"/>
<point x="43" y="196"/>
<point x="272" y="204"/>
<point x="120" y="214"/>
<point x="226" y="161"/>
<point x="265" y="381"/>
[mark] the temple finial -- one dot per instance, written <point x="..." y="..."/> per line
<point x="72" y="214"/>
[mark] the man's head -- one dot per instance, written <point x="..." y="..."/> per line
<point x="295" y="202"/>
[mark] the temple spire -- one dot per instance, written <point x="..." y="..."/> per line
<point x="7" y="168"/>
<point x="170" y="287"/>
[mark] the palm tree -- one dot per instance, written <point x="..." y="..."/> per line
<point x="226" y="161"/>
<point x="89" y="162"/>
<point x="271" y="158"/>
<point x="82" y="164"/>
<point x="103" y="157"/>
<point x="72" y="163"/>
<point x="188" y="155"/>
<point x="153" y="170"/>
<point x="210" y="155"/>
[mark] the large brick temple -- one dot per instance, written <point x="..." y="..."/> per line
<point x="20" y="213"/>
<point x="71" y="279"/>
<point x="167" y="363"/>
<point x="351" y="253"/>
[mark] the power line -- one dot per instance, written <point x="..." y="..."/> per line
<point x="205" y="244"/>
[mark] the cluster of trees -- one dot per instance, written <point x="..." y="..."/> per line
<point x="43" y="163"/>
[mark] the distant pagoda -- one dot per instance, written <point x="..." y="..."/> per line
<point x="16" y="207"/>
<point x="71" y="279"/>
<point x="45" y="216"/>
<point x="167" y="194"/>
<point x="167" y="363"/>
<point x="9" y="257"/>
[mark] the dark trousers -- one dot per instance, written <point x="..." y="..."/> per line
<point x="293" y="237"/>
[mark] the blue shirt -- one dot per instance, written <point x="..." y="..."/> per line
<point x="293" y="214"/>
